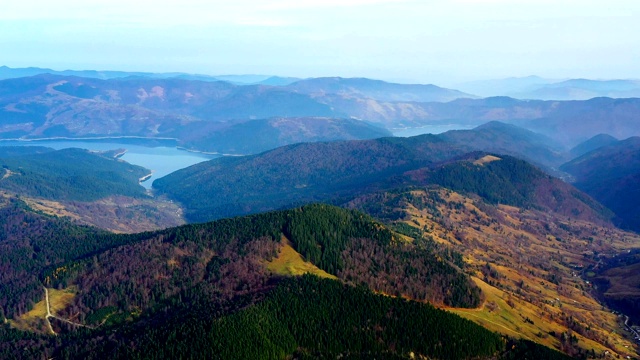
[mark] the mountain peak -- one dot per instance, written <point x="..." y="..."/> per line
<point x="593" y="143"/>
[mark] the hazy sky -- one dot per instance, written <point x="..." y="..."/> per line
<point x="442" y="41"/>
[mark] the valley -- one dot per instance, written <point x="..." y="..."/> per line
<point x="325" y="236"/>
<point x="516" y="242"/>
<point x="306" y="180"/>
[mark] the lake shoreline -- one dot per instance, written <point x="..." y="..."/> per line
<point x="146" y="177"/>
<point x="159" y="159"/>
<point x="64" y="138"/>
<point x="206" y="152"/>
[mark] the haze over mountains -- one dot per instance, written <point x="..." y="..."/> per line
<point x="190" y="111"/>
<point x="530" y="87"/>
<point x="10" y="73"/>
<point x="537" y="88"/>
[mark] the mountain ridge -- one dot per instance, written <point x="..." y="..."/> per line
<point x="52" y="105"/>
<point x="611" y="175"/>
<point x="322" y="171"/>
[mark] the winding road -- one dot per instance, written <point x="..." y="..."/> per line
<point x="46" y="296"/>
<point x="626" y="323"/>
<point x="50" y="315"/>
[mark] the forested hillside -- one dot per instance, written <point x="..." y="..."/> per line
<point x="256" y="136"/>
<point x="198" y="290"/>
<point x="31" y="242"/>
<point x="611" y="174"/>
<point x="510" y="181"/>
<point x="296" y="174"/>
<point x="593" y="143"/>
<point x="174" y="277"/>
<point x="305" y="318"/>
<point x="335" y="172"/>
<point x="68" y="174"/>
<point x="502" y="138"/>
<point x="532" y="264"/>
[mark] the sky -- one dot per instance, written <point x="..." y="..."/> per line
<point x="416" y="41"/>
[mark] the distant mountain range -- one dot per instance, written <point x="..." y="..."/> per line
<point x="504" y="87"/>
<point x="11" y="73"/>
<point x="567" y="122"/>
<point x="47" y="105"/>
<point x="376" y="90"/>
<point x="583" y="89"/>
<point x="529" y="87"/>
<point x="44" y="106"/>
<point x="537" y="88"/>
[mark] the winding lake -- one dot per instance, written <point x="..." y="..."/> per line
<point x="161" y="160"/>
<point x="428" y="129"/>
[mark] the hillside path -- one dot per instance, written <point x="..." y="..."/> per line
<point x="50" y="315"/>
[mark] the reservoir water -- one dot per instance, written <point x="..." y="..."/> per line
<point x="161" y="160"/>
<point x="428" y="129"/>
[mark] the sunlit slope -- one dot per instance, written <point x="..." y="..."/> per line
<point x="530" y="264"/>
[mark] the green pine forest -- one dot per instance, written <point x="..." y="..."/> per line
<point x="67" y="174"/>
<point x="203" y="291"/>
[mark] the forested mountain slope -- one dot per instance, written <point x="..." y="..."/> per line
<point x="296" y="174"/>
<point x="593" y="143"/>
<point x="534" y="265"/>
<point x="502" y="138"/>
<point x="611" y="174"/>
<point x="198" y="290"/>
<point x="328" y="171"/>
<point x="68" y="174"/>
<point x="256" y="136"/>
<point x="92" y="188"/>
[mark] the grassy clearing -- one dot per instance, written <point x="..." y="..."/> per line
<point x="507" y="314"/>
<point x="7" y="173"/>
<point x="289" y="262"/>
<point x="495" y="314"/>
<point x="60" y="299"/>
<point x="49" y="207"/>
<point x="486" y="159"/>
<point x="35" y="319"/>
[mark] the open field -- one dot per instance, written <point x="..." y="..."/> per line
<point x="50" y="207"/>
<point x="35" y="320"/>
<point x="290" y="262"/>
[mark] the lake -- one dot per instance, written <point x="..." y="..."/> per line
<point x="161" y="160"/>
<point x="428" y="129"/>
